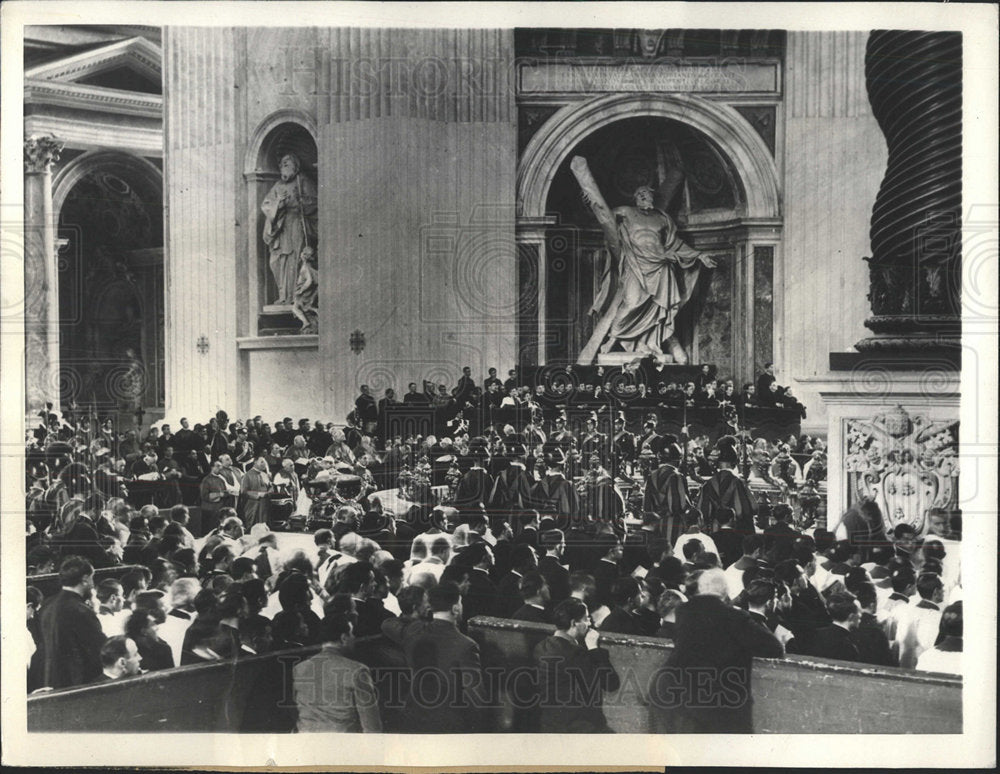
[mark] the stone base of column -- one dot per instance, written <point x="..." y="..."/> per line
<point x="892" y="435"/>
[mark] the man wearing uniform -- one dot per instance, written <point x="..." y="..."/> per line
<point x="623" y="448"/>
<point x="727" y="490"/>
<point x="666" y="492"/>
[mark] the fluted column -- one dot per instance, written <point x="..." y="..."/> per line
<point x="914" y="82"/>
<point x="41" y="287"/>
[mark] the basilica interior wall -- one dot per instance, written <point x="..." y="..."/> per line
<point x="416" y="222"/>
<point x="416" y="175"/>
<point x="834" y="160"/>
<point x="200" y="245"/>
<point x="282" y="383"/>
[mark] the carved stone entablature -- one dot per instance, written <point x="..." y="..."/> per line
<point x="40" y="153"/>
<point x="906" y="464"/>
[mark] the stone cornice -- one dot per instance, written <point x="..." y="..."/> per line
<point x="73" y="95"/>
<point x="144" y="139"/>
<point x="144" y="56"/>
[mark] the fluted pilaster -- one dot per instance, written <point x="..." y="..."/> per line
<point x="41" y="290"/>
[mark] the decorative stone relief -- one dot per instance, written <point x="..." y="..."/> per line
<point x="907" y="464"/>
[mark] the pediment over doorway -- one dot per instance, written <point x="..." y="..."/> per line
<point x="132" y="65"/>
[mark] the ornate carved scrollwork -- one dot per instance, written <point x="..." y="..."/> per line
<point x="907" y="464"/>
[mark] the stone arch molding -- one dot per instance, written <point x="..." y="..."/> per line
<point x="252" y="161"/>
<point x="92" y="161"/>
<point x="724" y="125"/>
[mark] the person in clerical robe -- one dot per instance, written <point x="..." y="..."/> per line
<point x="254" y="489"/>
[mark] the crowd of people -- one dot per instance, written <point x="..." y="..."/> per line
<point x="640" y="385"/>
<point x="588" y="533"/>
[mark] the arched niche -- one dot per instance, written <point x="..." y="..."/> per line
<point x="286" y="131"/>
<point x="723" y="125"/>
<point x="736" y="214"/>
<point x="109" y="210"/>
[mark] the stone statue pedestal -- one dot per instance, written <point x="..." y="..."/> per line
<point x="622" y="359"/>
<point x="277" y="319"/>
<point x="617" y="359"/>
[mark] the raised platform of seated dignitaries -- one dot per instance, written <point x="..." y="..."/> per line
<point x="222" y="539"/>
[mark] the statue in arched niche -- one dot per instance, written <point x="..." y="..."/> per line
<point x="654" y="275"/>
<point x="290" y="225"/>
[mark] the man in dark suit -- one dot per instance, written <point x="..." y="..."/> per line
<point x="764" y="382"/>
<point x="491" y="379"/>
<point x="666" y="492"/>
<point x="837" y="640"/>
<point x="528" y="533"/>
<point x="473" y="566"/>
<point x="535" y="593"/>
<point x="573" y="674"/>
<point x="119" y="658"/>
<point x="523" y="560"/>
<point x="607" y="569"/>
<point x="550" y="565"/>
<point x="705" y="685"/>
<point x="445" y="666"/>
<point x="71" y="632"/>
<point x="780" y="531"/>
<point x="358" y="580"/>
<point x="870" y="638"/>
<point x="414" y="397"/>
<point x="728" y="540"/>
<point x="464" y="388"/>
<point x="366" y="408"/>
<point x="626" y="598"/>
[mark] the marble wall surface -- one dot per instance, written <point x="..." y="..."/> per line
<point x="416" y="139"/>
<point x="834" y="158"/>
<point x="417" y="145"/>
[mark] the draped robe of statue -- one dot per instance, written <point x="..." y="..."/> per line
<point x="655" y="276"/>
<point x="289" y="226"/>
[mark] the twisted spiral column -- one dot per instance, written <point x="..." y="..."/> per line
<point x="914" y="82"/>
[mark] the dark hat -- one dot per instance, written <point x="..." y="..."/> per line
<point x="672" y="452"/>
<point x="479" y="448"/>
<point x="515" y="448"/>
<point x="726" y="441"/>
<point x="553" y="454"/>
<point x="620" y="417"/>
<point x="728" y="455"/>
